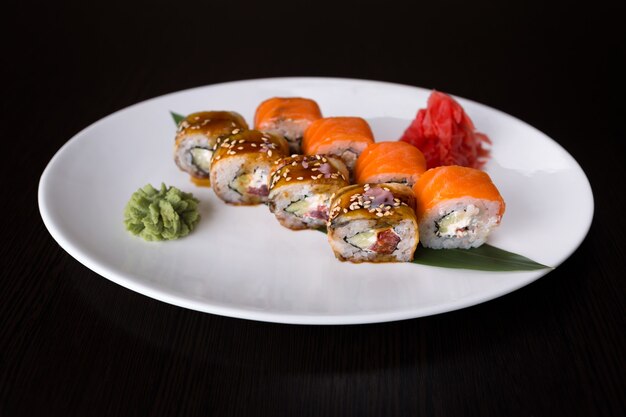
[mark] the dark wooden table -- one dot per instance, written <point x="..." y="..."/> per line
<point x="74" y="343"/>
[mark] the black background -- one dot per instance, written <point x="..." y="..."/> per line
<point x="74" y="343"/>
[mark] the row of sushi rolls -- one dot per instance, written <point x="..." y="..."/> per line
<point x="377" y="200"/>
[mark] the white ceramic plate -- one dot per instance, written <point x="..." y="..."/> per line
<point x="240" y="262"/>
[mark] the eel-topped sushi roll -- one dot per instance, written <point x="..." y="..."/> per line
<point x="373" y="223"/>
<point x="457" y="207"/>
<point x="241" y="165"/>
<point x="301" y="187"/>
<point x="345" y="137"/>
<point x="287" y="116"/>
<point x="398" y="162"/>
<point x="196" y="137"/>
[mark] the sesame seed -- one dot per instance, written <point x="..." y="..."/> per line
<point x="345" y="210"/>
<point x="300" y="178"/>
<point x="287" y="178"/>
<point x="240" y="147"/>
<point x="269" y="153"/>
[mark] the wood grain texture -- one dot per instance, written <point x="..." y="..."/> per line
<point x="74" y="343"/>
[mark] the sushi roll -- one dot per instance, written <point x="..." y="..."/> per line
<point x="373" y="223"/>
<point x="288" y="117"/>
<point x="398" y="162"/>
<point x="345" y="137"/>
<point x="196" y="137"/>
<point x="457" y="207"/>
<point x="301" y="187"/>
<point x="241" y="165"/>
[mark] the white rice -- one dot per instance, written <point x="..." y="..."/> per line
<point x="405" y="229"/>
<point x="182" y="154"/>
<point x="292" y="130"/>
<point x="281" y="198"/>
<point x="480" y="218"/>
<point x="224" y="171"/>
<point x="390" y="178"/>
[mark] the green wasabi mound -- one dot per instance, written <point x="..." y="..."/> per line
<point x="164" y="214"/>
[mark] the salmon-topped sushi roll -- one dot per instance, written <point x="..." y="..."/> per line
<point x="301" y="187"/>
<point x="373" y="223"/>
<point x="196" y="137"/>
<point x="398" y="162"/>
<point x="241" y="165"/>
<point x="457" y="207"/>
<point x="345" y="137"/>
<point x="288" y="117"/>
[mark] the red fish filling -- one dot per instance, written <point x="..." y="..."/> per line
<point x="383" y="242"/>
<point x="386" y="242"/>
<point x="261" y="191"/>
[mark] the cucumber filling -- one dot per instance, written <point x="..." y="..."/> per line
<point x="363" y="240"/>
<point x="308" y="206"/>
<point x="458" y="223"/>
<point x="381" y="241"/>
<point x="201" y="158"/>
<point x="250" y="183"/>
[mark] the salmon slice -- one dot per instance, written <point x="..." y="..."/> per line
<point x="390" y="162"/>
<point x="288" y="117"/>
<point x="448" y="182"/>
<point x="345" y="137"/>
<point x="278" y="109"/>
